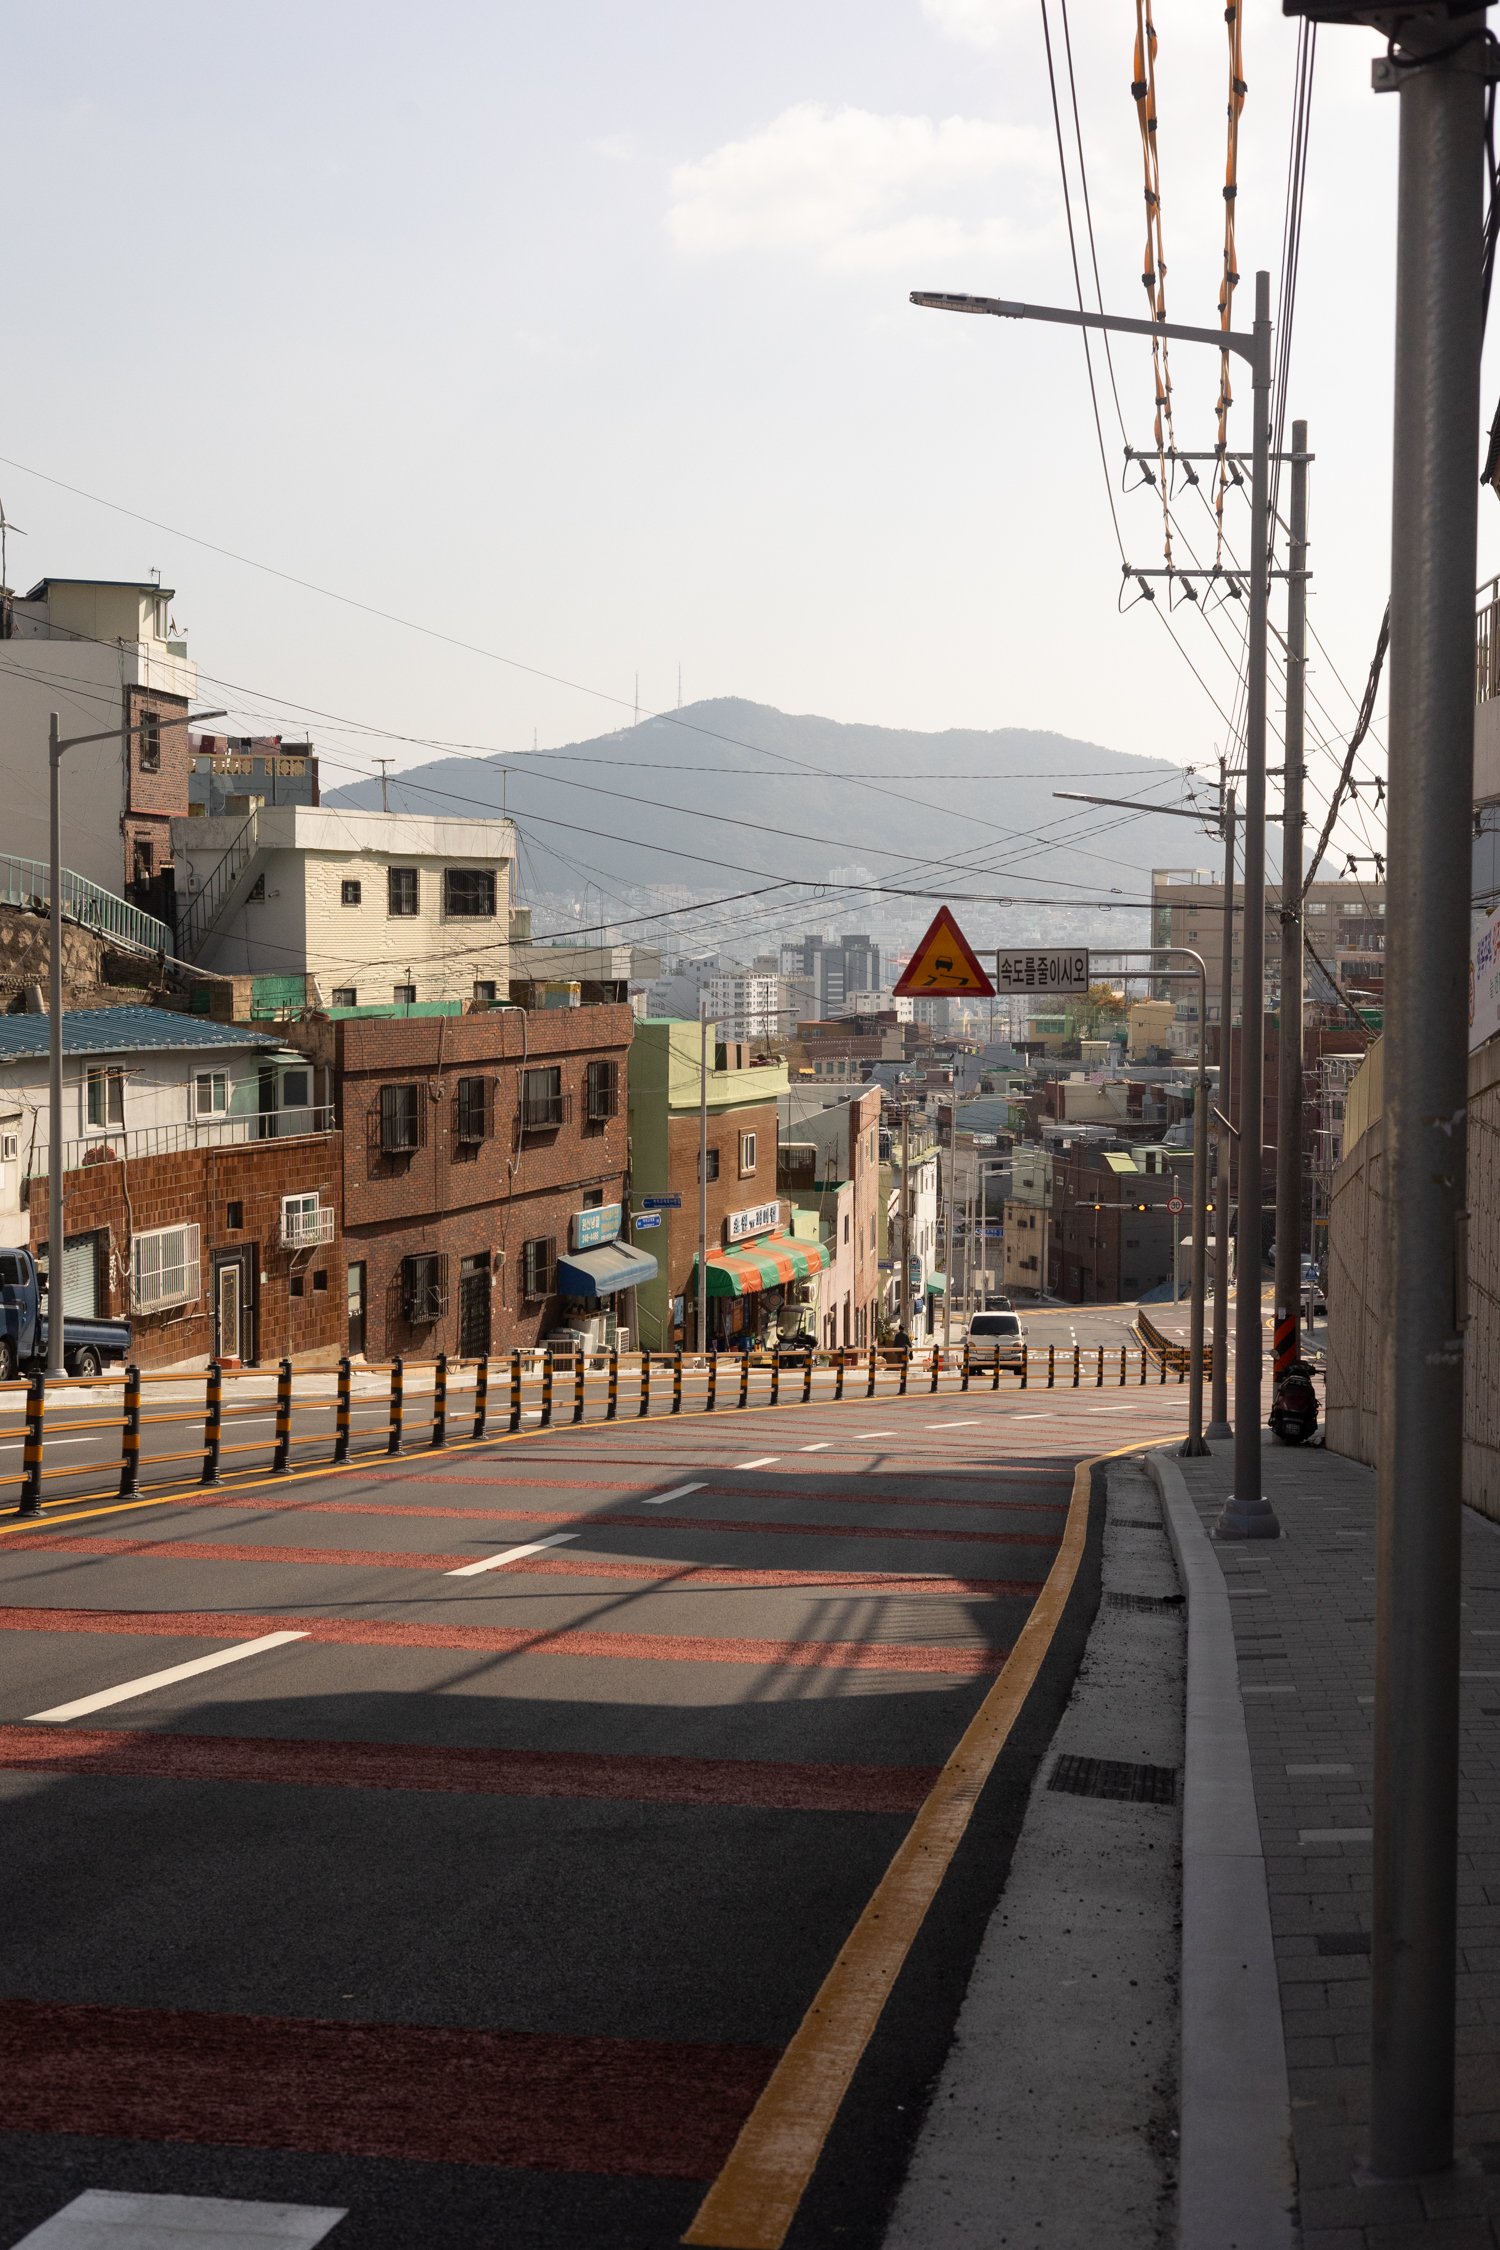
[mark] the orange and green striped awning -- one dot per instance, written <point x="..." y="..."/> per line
<point x="763" y="1264"/>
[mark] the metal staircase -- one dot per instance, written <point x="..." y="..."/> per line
<point x="227" y="885"/>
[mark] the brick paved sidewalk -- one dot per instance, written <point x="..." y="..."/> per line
<point x="1303" y="1607"/>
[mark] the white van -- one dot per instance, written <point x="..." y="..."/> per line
<point x="997" y="1336"/>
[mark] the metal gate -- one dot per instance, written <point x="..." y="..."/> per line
<point x="81" y="1276"/>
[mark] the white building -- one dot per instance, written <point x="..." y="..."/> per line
<point x="144" y="1082"/>
<point x="379" y="908"/>
<point x="103" y="655"/>
<point x="748" y="1003"/>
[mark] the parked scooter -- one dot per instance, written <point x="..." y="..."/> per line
<point x="1294" y="1405"/>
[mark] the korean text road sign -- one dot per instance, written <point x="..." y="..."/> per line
<point x="1043" y="969"/>
<point x="944" y="962"/>
<point x="645" y="1219"/>
<point x="661" y="1202"/>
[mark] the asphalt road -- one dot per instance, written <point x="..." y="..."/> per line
<point x="484" y="1907"/>
<point x="1081" y="1324"/>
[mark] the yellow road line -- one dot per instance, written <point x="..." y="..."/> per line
<point x="755" y="2197"/>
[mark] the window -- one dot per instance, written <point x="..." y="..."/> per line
<point x="106" y="1096"/>
<point x="401" y="890"/>
<point x="404" y="995"/>
<point x="164" y="1268"/>
<point x="602" y="1092"/>
<point x="351" y="892"/>
<point x="473" y="1119"/>
<point x="542" y="1104"/>
<point x="159" y="616"/>
<point x="538" y="1262"/>
<point x="485" y="988"/>
<point x="469" y="893"/>
<point x="304" y="1221"/>
<point x="150" y="742"/>
<point x="747" y="1155"/>
<point x="400" y="1117"/>
<point x="711" y="1170"/>
<point x="594" y="1200"/>
<point x="211" y="1094"/>
<point x="320" y="1279"/>
<point x="10" y="1147"/>
<point x="345" y="996"/>
<point x="234" y="1217"/>
<point x="424" y="1287"/>
<point x="295" y="1285"/>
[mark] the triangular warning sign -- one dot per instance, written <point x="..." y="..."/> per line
<point x="944" y="962"/>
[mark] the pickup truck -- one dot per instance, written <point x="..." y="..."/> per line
<point x="88" y="1345"/>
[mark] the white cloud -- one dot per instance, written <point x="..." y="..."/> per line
<point x="850" y="187"/>
<point x="977" y="23"/>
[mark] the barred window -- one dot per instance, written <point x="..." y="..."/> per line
<point x="473" y="1119"/>
<point x="424" y="1287"/>
<point x="469" y="893"/>
<point x="399" y="1119"/>
<point x="541" y="1098"/>
<point x="602" y="1092"/>
<point x="401" y="890"/>
<point x="150" y="742"/>
<point x="164" y="1268"/>
<point x="538" y="1266"/>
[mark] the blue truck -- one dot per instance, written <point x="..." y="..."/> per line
<point x="89" y="1346"/>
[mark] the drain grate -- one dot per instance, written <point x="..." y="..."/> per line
<point x="1156" y="1602"/>
<point x="1114" y="1777"/>
<point x="1343" y="1941"/>
<point x="1138" y="1523"/>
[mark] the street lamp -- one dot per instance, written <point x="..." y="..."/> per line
<point x="56" y="745"/>
<point x="1247" y="1514"/>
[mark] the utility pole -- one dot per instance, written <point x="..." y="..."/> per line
<point x="385" y="794"/>
<point x="904" y="1299"/>
<point x="1218" y="1425"/>
<point x="1439" y="325"/>
<point x="1286" y="1341"/>
<point x="703" y="1172"/>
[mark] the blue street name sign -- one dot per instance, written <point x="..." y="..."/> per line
<point x="647" y="1219"/>
<point x="661" y="1202"/>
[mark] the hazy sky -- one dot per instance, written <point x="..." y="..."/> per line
<point x="580" y="332"/>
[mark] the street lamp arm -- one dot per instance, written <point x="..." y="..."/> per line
<point x="113" y="734"/>
<point x="1211" y="815"/>
<point x="1222" y="339"/>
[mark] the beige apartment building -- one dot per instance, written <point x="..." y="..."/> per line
<point x="1345" y="925"/>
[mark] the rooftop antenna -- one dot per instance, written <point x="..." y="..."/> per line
<point x="385" y="794"/>
<point x="6" y="527"/>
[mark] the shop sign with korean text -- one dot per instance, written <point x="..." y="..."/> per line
<point x="761" y="1218"/>
<point x="600" y="1225"/>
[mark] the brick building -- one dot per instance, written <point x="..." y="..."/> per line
<point x="484" y="1162"/>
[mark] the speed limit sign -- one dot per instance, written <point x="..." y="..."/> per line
<point x="1176" y="1206"/>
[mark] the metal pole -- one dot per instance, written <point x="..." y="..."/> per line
<point x="1418" y="1510"/>
<point x="1288" y="1293"/>
<point x="948" y="1217"/>
<point x="1218" y="1426"/>
<point x="702" y="1173"/>
<point x="904" y="1299"/>
<point x="55" y="1062"/>
<point x="1195" y="1442"/>
<point x="1247" y="1514"/>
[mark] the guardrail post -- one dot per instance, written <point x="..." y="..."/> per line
<point x="744" y="1378"/>
<point x="213" y="1424"/>
<point x="281" y="1459"/>
<point x="341" y="1415"/>
<point x="1099" y="1378"/>
<point x="1076" y="1364"/>
<point x="130" y="1443"/>
<point x="440" y="1400"/>
<point x="578" y="1388"/>
<point x="1025" y="1365"/>
<point x="677" y="1380"/>
<point x="964" y="1382"/>
<point x="1182" y="1368"/>
<point x="1143" y="1366"/>
<point x="1122" y="1367"/>
<point x="612" y="1401"/>
<point x="838" y="1374"/>
<point x="1051" y="1366"/>
<point x="807" y="1378"/>
<point x="775" y="1374"/>
<point x="515" y="1391"/>
<point x="1163" y="1358"/>
<point x="398" y="1404"/>
<point x="481" y="1395"/>
<point x="995" y="1384"/>
<point x="645" y="1382"/>
<point x="36" y="1418"/>
<point x="546" y="1390"/>
<point x="937" y="1366"/>
<point x="870" y="1386"/>
<point x="713" y="1383"/>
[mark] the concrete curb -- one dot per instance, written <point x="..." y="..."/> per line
<point x="1238" y="2178"/>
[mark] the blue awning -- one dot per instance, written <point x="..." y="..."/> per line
<point x="599" y="1273"/>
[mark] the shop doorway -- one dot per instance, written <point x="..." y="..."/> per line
<point x="234" y="1308"/>
<point x="474" y="1306"/>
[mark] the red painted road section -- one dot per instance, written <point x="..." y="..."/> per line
<point x="509" y="1640"/>
<point x="578" y="1774"/>
<point x="680" y="1575"/>
<point x="420" y="2092"/>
